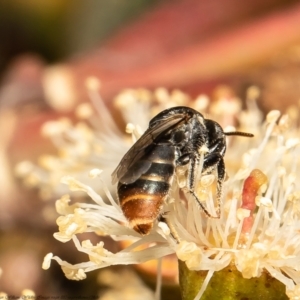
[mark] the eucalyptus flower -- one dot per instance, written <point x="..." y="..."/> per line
<point x="258" y="232"/>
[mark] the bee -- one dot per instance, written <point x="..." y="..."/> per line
<point x="175" y="138"/>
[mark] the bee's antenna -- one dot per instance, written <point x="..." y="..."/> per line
<point x="246" y="134"/>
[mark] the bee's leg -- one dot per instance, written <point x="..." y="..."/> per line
<point x="191" y="178"/>
<point x="183" y="160"/>
<point x="211" y="162"/>
<point x="221" y="177"/>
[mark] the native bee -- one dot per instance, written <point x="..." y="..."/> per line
<point x="175" y="138"/>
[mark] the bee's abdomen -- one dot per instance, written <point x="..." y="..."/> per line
<point x="141" y="200"/>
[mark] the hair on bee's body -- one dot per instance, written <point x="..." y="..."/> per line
<point x="145" y="174"/>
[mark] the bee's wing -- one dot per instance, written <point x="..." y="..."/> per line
<point x="132" y="166"/>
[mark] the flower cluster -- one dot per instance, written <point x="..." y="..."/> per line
<point x="258" y="229"/>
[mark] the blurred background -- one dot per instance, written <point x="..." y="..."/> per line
<point x="49" y="48"/>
